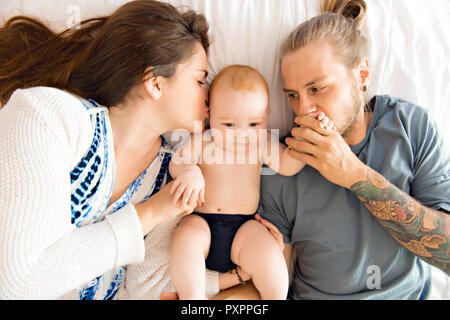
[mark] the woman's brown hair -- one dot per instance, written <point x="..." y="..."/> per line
<point x="340" y="24"/>
<point x="104" y="59"/>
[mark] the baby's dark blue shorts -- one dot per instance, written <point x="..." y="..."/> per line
<point x="223" y="228"/>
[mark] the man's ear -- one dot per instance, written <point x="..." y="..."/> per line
<point x="364" y="73"/>
<point x="152" y="85"/>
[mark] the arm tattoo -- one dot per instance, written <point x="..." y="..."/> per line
<point x="422" y="230"/>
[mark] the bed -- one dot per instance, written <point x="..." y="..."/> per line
<point x="409" y="49"/>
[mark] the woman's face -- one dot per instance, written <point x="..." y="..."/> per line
<point x="186" y="93"/>
<point x="316" y="81"/>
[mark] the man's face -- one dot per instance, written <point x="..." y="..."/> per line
<point x="315" y="80"/>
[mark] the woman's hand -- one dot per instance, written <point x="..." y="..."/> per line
<point x="272" y="230"/>
<point x="160" y="208"/>
<point x="189" y="187"/>
<point x="326" y="151"/>
<point x="243" y="274"/>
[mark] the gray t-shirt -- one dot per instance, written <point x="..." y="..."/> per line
<point x="341" y="251"/>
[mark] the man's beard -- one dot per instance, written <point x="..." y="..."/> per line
<point x="356" y="103"/>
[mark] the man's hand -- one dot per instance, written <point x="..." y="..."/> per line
<point x="326" y="151"/>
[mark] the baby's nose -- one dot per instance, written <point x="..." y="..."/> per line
<point x="241" y="133"/>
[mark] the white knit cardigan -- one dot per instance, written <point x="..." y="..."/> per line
<point x="44" y="132"/>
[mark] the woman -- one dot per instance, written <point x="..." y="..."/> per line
<point x="82" y="161"/>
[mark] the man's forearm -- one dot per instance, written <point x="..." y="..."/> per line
<point x="422" y="230"/>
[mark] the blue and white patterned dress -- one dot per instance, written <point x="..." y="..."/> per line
<point x="92" y="182"/>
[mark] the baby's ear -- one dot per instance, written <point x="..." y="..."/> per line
<point x="269" y="110"/>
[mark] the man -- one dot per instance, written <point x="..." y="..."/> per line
<point x="371" y="208"/>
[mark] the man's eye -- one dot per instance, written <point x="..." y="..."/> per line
<point x="292" y="95"/>
<point x="316" y="89"/>
<point x="254" y="124"/>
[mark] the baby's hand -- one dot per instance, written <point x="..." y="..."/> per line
<point x="325" y="122"/>
<point x="191" y="186"/>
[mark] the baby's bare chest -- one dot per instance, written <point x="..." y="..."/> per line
<point x="233" y="180"/>
<point x="231" y="173"/>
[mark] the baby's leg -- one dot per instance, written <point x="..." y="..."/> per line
<point x="257" y="252"/>
<point x="190" y="246"/>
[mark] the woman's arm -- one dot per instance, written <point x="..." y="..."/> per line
<point x="160" y="208"/>
<point x="42" y="255"/>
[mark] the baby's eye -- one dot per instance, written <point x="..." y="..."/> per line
<point x="202" y="83"/>
<point x="229" y="125"/>
<point x="254" y="124"/>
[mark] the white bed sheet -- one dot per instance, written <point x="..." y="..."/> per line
<point x="409" y="48"/>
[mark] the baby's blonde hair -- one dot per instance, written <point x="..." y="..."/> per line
<point x="240" y="78"/>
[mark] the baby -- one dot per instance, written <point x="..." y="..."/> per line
<point x="227" y="160"/>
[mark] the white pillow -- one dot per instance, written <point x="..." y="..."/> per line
<point x="409" y="47"/>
